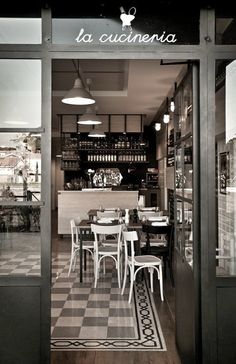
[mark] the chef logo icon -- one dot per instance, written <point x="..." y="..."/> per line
<point x="127" y="18"/>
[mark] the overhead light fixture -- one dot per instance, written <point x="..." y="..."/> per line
<point x="94" y="133"/>
<point x="166" y="116"/>
<point x="172" y="100"/>
<point x="157" y="126"/>
<point x="172" y="104"/>
<point x="78" y="95"/>
<point x="89" y="117"/>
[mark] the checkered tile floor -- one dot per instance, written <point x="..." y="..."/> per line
<point x="19" y="263"/>
<point x="85" y="318"/>
<point x="20" y="253"/>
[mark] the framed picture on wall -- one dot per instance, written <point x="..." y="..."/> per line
<point x="224" y="171"/>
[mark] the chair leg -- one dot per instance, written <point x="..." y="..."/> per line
<point x="161" y="282"/>
<point x="95" y="275"/>
<point x="96" y="269"/>
<point x="124" y="280"/>
<point x="131" y="284"/>
<point x="85" y="260"/>
<point x="118" y="272"/>
<point x="151" y="270"/>
<point x="74" y="259"/>
<point x="71" y="262"/>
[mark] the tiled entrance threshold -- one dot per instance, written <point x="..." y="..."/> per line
<point x="85" y="318"/>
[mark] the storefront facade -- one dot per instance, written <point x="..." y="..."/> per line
<point x="206" y="333"/>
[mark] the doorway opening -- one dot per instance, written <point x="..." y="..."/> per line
<point x="145" y="159"/>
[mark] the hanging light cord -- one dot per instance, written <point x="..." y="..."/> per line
<point x="76" y="67"/>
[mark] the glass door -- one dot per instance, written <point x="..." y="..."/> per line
<point x="185" y="265"/>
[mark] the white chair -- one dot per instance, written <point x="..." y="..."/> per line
<point x="75" y="246"/>
<point x="140" y="261"/>
<point x="101" y="251"/>
<point x="108" y="214"/>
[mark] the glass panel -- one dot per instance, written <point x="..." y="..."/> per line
<point x="179" y="224"/>
<point x="20" y="31"/>
<point x="20" y="93"/>
<point x="179" y="178"/>
<point x="186" y="114"/>
<point x="225" y="139"/>
<point x="225" y="23"/>
<point x="188" y="168"/>
<point x="19" y="240"/>
<point x="188" y="233"/>
<point x="184" y="169"/>
<point x="20" y="167"/>
<point x="90" y="26"/>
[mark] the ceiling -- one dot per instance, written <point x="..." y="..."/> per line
<point x="118" y="86"/>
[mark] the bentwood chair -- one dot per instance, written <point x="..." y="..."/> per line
<point x="75" y="246"/>
<point x="101" y="252"/>
<point x="133" y="261"/>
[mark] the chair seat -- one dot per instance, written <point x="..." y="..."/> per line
<point x="107" y="249"/>
<point x="88" y="244"/>
<point x="146" y="259"/>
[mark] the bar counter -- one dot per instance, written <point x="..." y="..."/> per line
<point x="76" y="204"/>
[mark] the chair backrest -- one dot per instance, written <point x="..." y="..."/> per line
<point x="107" y="230"/>
<point x="159" y="230"/>
<point x="74" y="232"/>
<point x="130" y="237"/>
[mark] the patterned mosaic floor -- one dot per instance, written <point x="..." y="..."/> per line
<point x="84" y="318"/>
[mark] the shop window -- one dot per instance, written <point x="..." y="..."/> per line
<point x="20" y="167"/>
<point x="20" y="30"/>
<point x="20" y="93"/>
<point x="225" y="26"/>
<point x="225" y="141"/>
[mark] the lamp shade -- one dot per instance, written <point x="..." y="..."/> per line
<point x="166" y="118"/>
<point x="89" y="118"/>
<point x="157" y="126"/>
<point x="96" y="134"/>
<point x="78" y="95"/>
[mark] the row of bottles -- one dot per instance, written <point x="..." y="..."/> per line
<point x="67" y="164"/>
<point x="117" y="157"/>
<point x="119" y="142"/>
<point x="70" y="154"/>
<point x="69" y="143"/>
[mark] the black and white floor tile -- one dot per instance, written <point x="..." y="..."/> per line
<point x="85" y="318"/>
<point x="19" y="263"/>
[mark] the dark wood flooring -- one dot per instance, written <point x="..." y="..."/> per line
<point x="167" y="319"/>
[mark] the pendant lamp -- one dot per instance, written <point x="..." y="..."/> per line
<point x="78" y="95"/>
<point x="94" y="133"/>
<point x="166" y="116"/>
<point x="89" y="117"/>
